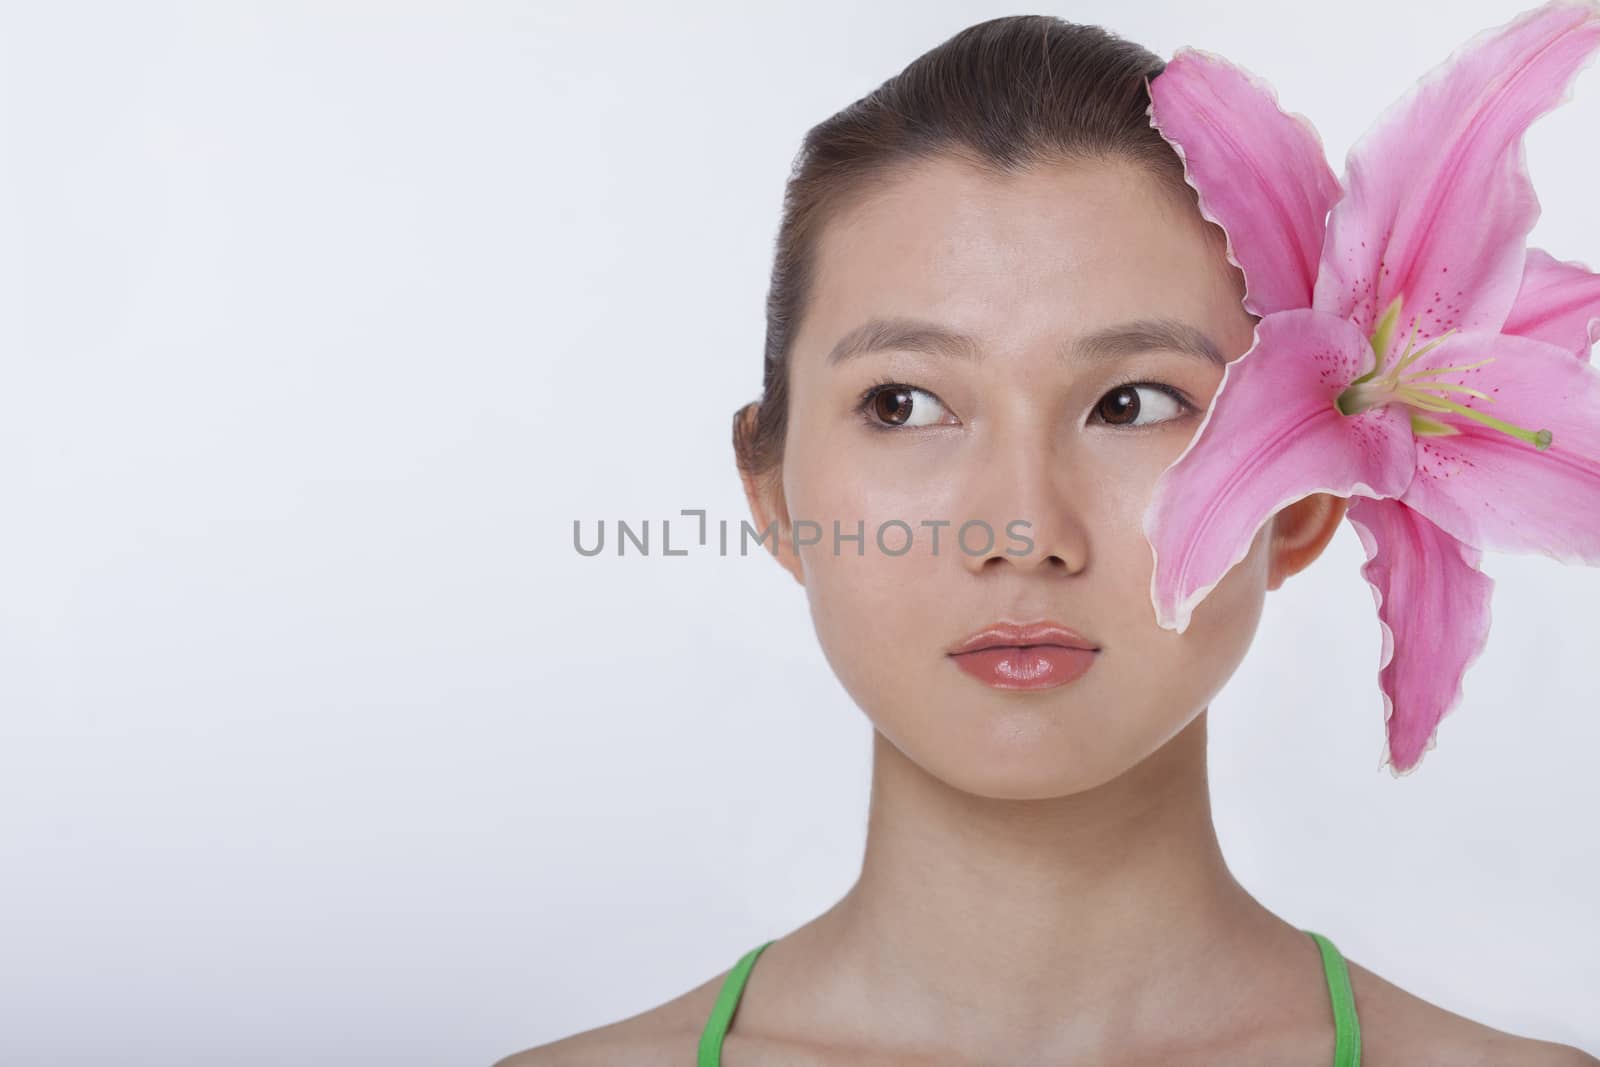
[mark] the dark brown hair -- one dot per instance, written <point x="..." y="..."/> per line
<point x="1003" y="95"/>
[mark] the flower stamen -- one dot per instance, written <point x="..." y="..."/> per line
<point x="1417" y="391"/>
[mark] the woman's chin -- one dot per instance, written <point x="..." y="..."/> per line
<point x="1012" y="757"/>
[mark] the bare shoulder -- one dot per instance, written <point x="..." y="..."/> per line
<point x="1398" y="1027"/>
<point x="602" y="1047"/>
<point x="663" y="1036"/>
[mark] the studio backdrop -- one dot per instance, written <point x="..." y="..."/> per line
<point x="329" y="333"/>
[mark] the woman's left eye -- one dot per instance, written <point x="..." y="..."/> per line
<point x="1126" y="404"/>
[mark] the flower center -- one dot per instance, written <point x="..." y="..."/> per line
<point x="1420" y="390"/>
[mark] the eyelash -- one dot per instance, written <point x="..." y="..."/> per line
<point x="864" y="402"/>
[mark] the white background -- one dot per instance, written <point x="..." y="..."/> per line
<point x="319" y="743"/>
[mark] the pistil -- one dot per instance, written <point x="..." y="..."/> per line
<point x="1419" y="391"/>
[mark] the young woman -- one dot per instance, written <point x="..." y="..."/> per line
<point x="996" y="301"/>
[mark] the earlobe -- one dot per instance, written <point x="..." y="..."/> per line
<point x="1300" y="533"/>
<point x="769" y="509"/>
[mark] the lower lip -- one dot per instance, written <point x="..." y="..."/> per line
<point x="1027" y="667"/>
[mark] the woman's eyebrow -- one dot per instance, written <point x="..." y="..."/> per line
<point x="1107" y="343"/>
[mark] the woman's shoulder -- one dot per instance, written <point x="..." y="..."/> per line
<point x="1397" y="1027"/>
<point x="1400" y="1027"/>
<point x="663" y="1036"/>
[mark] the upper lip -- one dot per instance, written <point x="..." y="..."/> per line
<point x="1016" y="634"/>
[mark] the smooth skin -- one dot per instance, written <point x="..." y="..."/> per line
<point x="1042" y="880"/>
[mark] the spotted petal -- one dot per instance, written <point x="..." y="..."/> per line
<point x="1433" y="608"/>
<point x="1438" y="203"/>
<point x="1559" y="302"/>
<point x="1497" y="492"/>
<point x="1271" y="436"/>
<point x="1261" y="173"/>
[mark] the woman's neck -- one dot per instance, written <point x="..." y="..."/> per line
<point x="1017" y="926"/>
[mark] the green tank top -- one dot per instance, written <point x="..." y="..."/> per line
<point x="1346" y="1028"/>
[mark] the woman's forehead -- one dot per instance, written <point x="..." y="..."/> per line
<point x="947" y="228"/>
<point x="1067" y="248"/>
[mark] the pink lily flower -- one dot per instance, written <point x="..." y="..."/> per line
<point x="1413" y="354"/>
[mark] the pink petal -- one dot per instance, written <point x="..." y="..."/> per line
<point x="1433" y="607"/>
<point x="1559" y="302"/>
<point x="1271" y="436"/>
<point x="1260" y="172"/>
<point x="1439" y="203"/>
<point x="1496" y="492"/>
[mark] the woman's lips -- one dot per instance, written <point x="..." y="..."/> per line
<point x="1025" y="666"/>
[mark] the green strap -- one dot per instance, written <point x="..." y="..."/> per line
<point x="1346" y="1026"/>
<point x="722" y="1012"/>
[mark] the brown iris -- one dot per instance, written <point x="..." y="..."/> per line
<point x="892" y="404"/>
<point x="1127" y="404"/>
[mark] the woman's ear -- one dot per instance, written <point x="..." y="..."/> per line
<point x="1300" y="532"/>
<point x="767" y="504"/>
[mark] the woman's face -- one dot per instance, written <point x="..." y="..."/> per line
<point x="1020" y="428"/>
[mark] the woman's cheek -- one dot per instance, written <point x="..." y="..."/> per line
<point x="1224" y="624"/>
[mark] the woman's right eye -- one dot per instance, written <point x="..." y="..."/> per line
<point x="891" y="405"/>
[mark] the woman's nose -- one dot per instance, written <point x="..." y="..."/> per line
<point x="1035" y="505"/>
